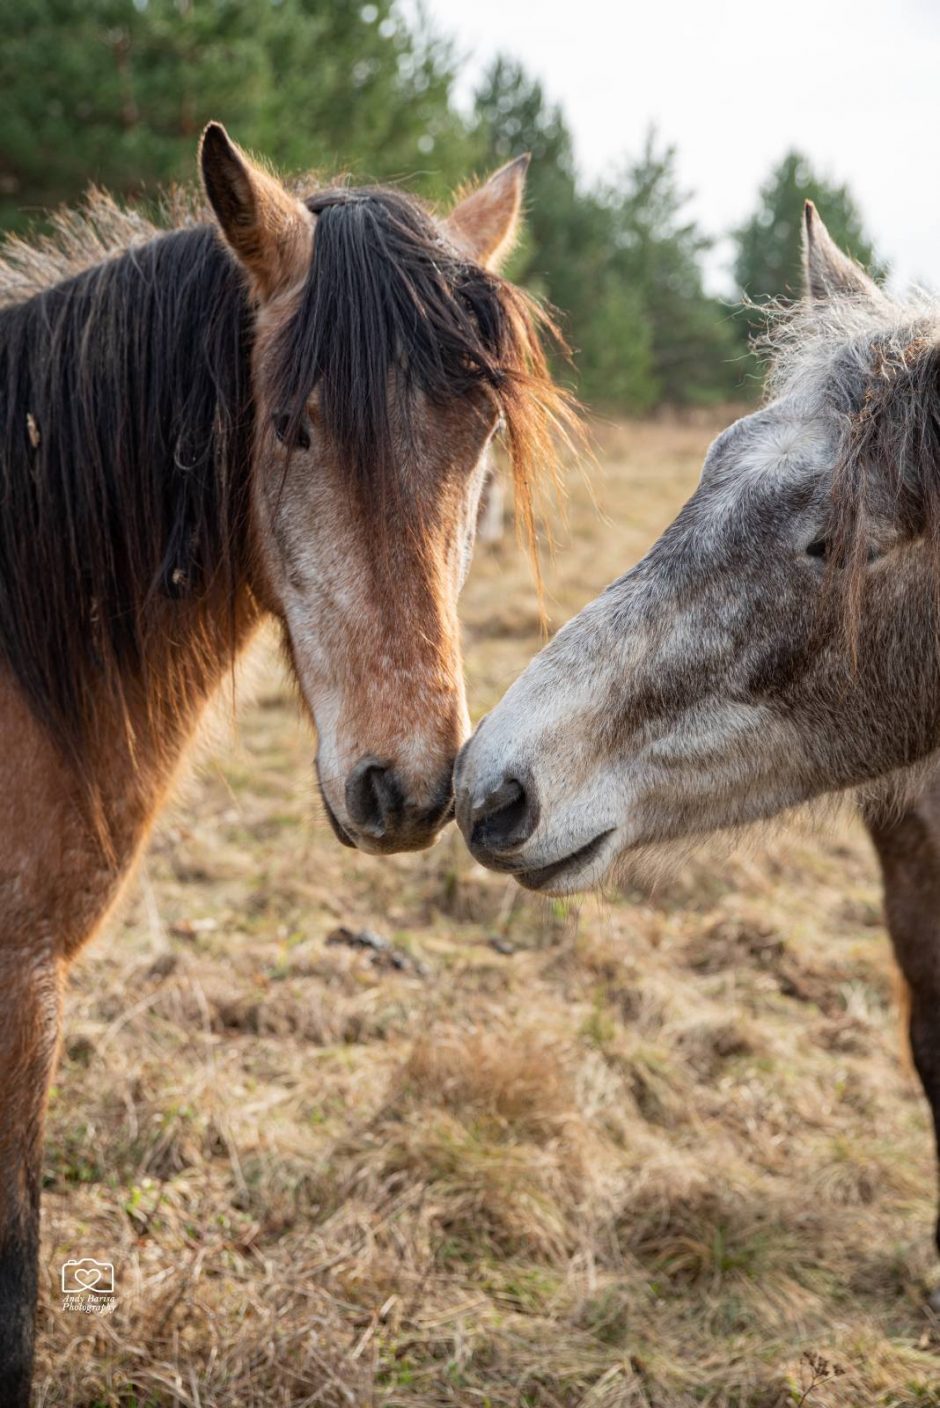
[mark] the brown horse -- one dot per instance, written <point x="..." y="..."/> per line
<point x="197" y="432"/>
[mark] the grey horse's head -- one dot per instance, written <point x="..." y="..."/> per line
<point x="779" y="641"/>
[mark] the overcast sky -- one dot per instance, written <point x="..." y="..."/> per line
<point x="735" y="83"/>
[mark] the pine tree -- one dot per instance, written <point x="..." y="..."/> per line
<point x="117" y="91"/>
<point x="657" y="252"/>
<point x="566" y="251"/>
<point x="768" y="259"/>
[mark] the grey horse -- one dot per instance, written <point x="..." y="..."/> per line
<point x="778" y="644"/>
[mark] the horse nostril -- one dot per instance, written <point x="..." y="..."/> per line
<point x="373" y="796"/>
<point x="506" y="817"/>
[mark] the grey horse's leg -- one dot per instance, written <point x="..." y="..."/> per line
<point x="908" y="847"/>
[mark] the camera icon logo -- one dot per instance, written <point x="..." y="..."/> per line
<point x="87" y="1275"/>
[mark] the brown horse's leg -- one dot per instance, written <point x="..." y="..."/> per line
<point x="29" y="994"/>
<point x="908" y="847"/>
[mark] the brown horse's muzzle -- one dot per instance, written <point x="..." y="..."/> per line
<point x="381" y="817"/>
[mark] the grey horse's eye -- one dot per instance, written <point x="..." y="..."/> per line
<point x="820" y="549"/>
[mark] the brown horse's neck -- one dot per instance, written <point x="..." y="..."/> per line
<point x="141" y="737"/>
<point x="69" y="834"/>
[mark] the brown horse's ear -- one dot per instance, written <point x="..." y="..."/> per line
<point x="485" y="224"/>
<point x="827" y="272"/>
<point x="267" y="228"/>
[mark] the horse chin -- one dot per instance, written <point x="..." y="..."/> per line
<point x="581" y="869"/>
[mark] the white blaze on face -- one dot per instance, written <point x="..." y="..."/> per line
<point x="373" y="626"/>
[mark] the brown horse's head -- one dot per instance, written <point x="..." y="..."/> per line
<point x="387" y="355"/>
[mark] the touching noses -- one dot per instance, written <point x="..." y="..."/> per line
<point x="497" y="819"/>
<point x="382" y="813"/>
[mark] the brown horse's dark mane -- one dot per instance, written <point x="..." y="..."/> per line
<point x="386" y="289"/>
<point x="127" y="407"/>
<point x="125" y="434"/>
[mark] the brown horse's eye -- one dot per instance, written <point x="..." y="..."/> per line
<point x="281" y="422"/>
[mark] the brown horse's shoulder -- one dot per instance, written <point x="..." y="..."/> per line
<point x="57" y="879"/>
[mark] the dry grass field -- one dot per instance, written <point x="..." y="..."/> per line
<point x="657" y="1150"/>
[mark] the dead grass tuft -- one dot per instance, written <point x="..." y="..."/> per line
<point x="517" y="1078"/>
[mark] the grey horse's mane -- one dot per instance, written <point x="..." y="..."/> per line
<point x="825" y="354"/>
<point x="870" y="367"/>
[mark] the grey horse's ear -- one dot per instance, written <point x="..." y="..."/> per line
<point x="827" y="272"/>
